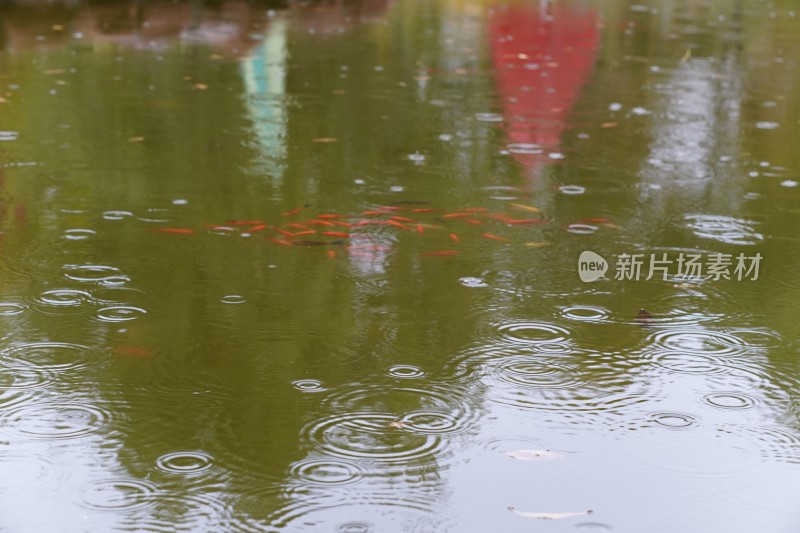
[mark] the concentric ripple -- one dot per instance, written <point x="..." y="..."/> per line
<point x="12" y="308"/>
<point x="55" y="421"/>
<point x="118" y="495"/>
<point x="406" y="371"/>
<point x="309" y="385"/>
<point x="60" y="300"/>
<point x="535" y="372"/>
<point x="698" y="341"/>
<point x="689" y="363"/>
<point x="773" y="443"/>
<point x="78" y="234"/>
<point x="369" y="436"/>
<point x="23" y="379"/>
<point x="355" y="527"/>
<point x="582" y="229"/>
<point x="326" y="471"/>
<point x="525" y="148"/>
<point x="430" y="422"/>
<point x="728" y="230"/>
<point x="730" y="400"/>
<point x="186" y="463"/>
<point x="531" y="332"/>
<point x="119" y="313"/>
<point x="672" y="420"/>
<point x="99" y="274"/>
<point x="117" y="295"/>
<point x="51" y="356"/>
<point x="450" y="407"/>
<point x="585" y="313"/>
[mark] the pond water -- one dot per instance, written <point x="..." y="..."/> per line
<point x="315" y="267"/>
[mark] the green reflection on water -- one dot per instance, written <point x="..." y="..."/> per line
<point x="377" y="383"/>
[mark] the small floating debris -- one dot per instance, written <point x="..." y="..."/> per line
<point x="8" y="135"/>
<point x="550" y="516"/>
<point x="643" y="316"/>
<point x="534" y="455"/>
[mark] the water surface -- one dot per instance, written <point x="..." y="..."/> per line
<point x="314" y="267"/>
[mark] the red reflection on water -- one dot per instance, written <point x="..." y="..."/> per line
<point x="542" y="57"/>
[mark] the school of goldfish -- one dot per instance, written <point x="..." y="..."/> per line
<point x="346" y="231"/>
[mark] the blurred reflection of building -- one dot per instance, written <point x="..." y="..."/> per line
<point x="230" y="26"/>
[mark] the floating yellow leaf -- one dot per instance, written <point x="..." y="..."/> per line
<point x="606" y="125"/>
<point x="549" y="516"/>
<point x="525" y="207"/>
<point x="325" y="140"/>
<point x="537" y="244"/>
<point x="135" y="139"/>
<point x="200" y="86"/>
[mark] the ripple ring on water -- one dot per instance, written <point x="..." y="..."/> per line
<point x="187" y="463"/>
<point x="55" y="421"/>
<point x="673" y="420"/>
<point x="118" y="495"/>
<point x="326" y="471"/>
<point x="308" y="385"/>
<point x="369" y="436"/>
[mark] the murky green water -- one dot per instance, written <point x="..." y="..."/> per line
<point x="193" y="340"/>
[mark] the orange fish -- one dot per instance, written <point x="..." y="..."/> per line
<point x="293" y="211"/>
<point x="342" y="224"/>
<point x="396" y="224"/>
<point x="335" y="234"/>
<point x="279" y="241"/>
<point x="425" y="210"/>
<point x="299" y="233"/>
<point x="258" y="227"/>
<point x="494" y="237"/>
<point x="403" y="219"/>
<point x="518" y="221"/>
<point x="455" y="215"/>
<point x="473" y="221"/>
<point x="454" y="237"/>
<point x="331" y="254"/>
<point x="284" y="232"/>
<point x="245" y="222"/>
<point x="331" y="215"/>
<point x="319" y="223"/>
